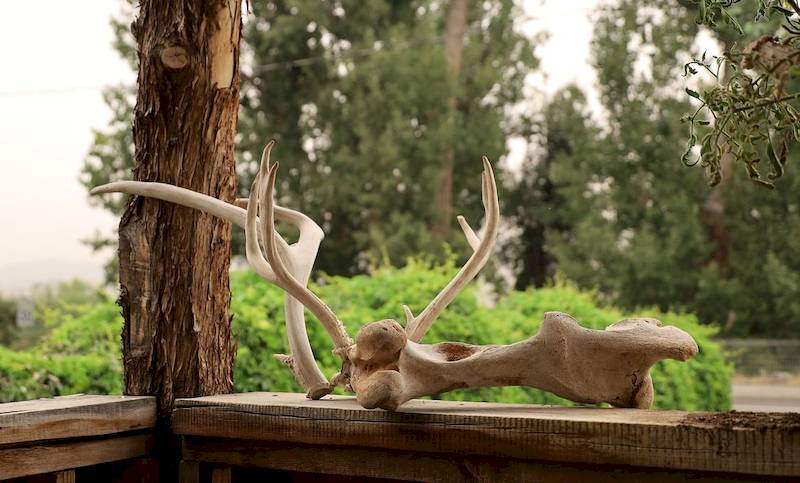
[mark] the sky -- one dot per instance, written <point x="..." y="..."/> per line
<point x="50" y="100"/>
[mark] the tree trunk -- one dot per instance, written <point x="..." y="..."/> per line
<point x="713" y="211"/>
<point x="174" y="261"/>
<point x="454" y="30"/>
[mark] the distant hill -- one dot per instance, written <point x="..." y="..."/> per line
<point x="16" y="278"/>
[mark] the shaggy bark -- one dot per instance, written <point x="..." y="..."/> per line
<point x="174" y="261"/>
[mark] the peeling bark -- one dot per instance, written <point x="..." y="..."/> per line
<point x="174" y="261"/>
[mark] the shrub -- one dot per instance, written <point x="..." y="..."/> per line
<point x="703" y="383"/>
<point x="83" y="350"/>
<point x="79" y="354"/>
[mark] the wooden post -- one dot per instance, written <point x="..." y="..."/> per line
<point x="221" y="474"/>
<point x="174" y="261"/>
<point x="189" y="472"/>
<point x="67" y="476"/>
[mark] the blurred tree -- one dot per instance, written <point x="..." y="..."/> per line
<point x="72" y="292"/>
<point x="752" y="285"/>
<point x="8" y="317"/>
<point x="359" y="97"/>
<point x="455" y="26"/>
<point x="620" y="215"/>
<point x="533" y="203"/>
<point x="110" y="156"/>
<point x="626" y="215"/>
<point x="637" y="234"/>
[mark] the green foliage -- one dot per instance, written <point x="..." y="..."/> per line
<point x="359" y="97"/>
<point x="8" y="317"/>
<point x="365" y="119"/>
<point x="702" y="383"/>
<point x="758" y="292"/>
<point x="753" y="118"/>
<point x="732" y="13"/>
<point x="72" y="293"/>
<point x="751" y="109"/>
<point x="532" y="201"/>
<point x="32" y="375"/>
<point x="605" y="203"/>
<point x="623" y="217"/>
<point x="82" y="353"/>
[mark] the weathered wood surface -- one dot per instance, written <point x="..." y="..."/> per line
<point x="74" y="417"/>
<point x="354" y="463"/>
<point x="188" y="472"/>
<point x="31" y="460"/>
<point x="669" y="440"/>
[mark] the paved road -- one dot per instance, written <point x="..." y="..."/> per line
<point x="766" y="397"/>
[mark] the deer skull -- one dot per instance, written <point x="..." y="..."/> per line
<point x="387" y="365"/>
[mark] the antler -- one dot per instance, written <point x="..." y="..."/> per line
<point x="416" y="327"/>
<point x="299" y="257"/>
<point x="261" y="198"/>
<point x="387" y="366"/>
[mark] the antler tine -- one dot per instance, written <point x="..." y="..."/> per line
<point x="482" y="250"/>
<point x="252" y="248"/>
<point x="284" y="278"/>
<point x="301" y="257"/>
<point x="470" y="235"/>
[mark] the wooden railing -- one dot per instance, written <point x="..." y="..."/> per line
<point x="57" y="439"/>
<point x="257" y="436"/>
<point x="458" y="441"/>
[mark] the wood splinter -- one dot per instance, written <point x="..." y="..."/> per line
<point x="387" y="365"/>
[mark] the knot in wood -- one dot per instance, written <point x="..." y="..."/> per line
<point x="174" y="57"/>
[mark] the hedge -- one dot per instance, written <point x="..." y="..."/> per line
<point x="81" y="353"/>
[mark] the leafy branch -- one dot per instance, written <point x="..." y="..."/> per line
<point x="746" y="114"/>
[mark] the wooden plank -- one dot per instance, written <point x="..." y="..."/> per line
<point x="31" y="460"/>
<point x="189" y="472"/>
<point x="134" y="470"/>
<point x="660" y="439"/>
<point x="73" y="417"/>
<point x="221" y="474"/>
<point x="410" y="466"/>
<point x="67" y="476"/>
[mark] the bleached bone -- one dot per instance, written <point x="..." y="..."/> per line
<point x="579" y="364"/>
<point x="387" y="366"/>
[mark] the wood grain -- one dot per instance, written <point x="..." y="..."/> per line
<point x="67" y="476"/>
<point x="188" y="472"/>
<point x="221" y="474"/>
<point x="355" y="463"/>
<point x="31" y="460"/>
<point x="74" y="417"/>
<point x="659" y="439"/>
